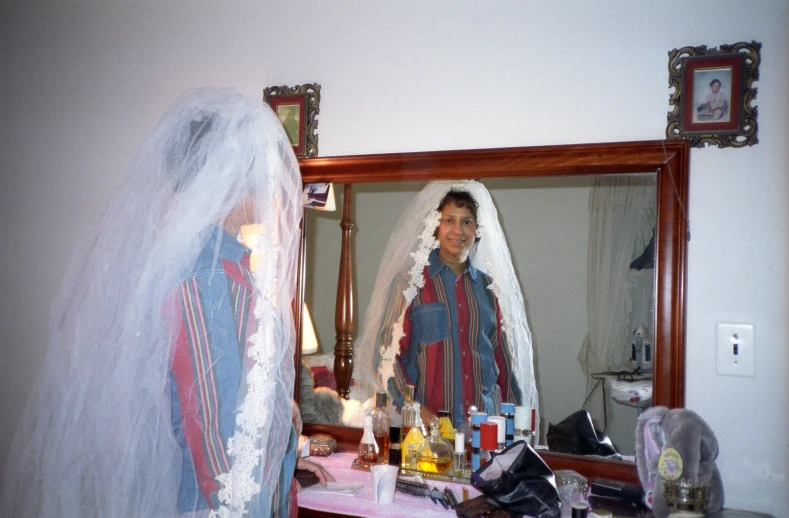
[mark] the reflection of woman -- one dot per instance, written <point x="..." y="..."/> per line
<point x="168" y="376"/>
<point x="458" y="335"/>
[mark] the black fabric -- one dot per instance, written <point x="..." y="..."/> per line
<point x="520" y="482"/>
<point x="481" y="507"/>
<point x="576" y="435"/>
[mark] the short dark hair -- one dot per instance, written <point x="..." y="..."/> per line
<point x="715" y="81"/>
<point x="462" y="199"/>
<point x="182" y="163"/>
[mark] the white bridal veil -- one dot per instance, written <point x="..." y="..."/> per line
<point x="400" y="276"/>
<point x="96" y="438"/>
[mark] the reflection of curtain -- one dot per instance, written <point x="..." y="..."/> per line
<point x="621" y="219"/>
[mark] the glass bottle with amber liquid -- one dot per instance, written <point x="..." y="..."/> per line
<point x="381" y="425"/>
<point x="368" y="448"/>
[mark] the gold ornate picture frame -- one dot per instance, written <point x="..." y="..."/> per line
<point x="712" y="101"/>
<point x="297" y="109"/>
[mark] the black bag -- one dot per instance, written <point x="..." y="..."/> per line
<point x="520" y="482"/>
<point x="576" y="435"/>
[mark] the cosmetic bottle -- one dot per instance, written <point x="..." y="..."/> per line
<point x="368" y="448"/>
<point x="381" y="424"/>
<point x="476" y="419"/>
<point x="524" y="424"/>
<point x="508" y="413"/>
<point x="446" y="428"/>
<point x="407" y="415"/>
<point x="488" y="432"/>
<point x="501" y="431"/>
<point x="435" y="453"/>
<point x="411" y="432"/>
<point x="459" y="456"/>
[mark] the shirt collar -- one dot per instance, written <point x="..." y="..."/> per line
<point x="229" y="247"/>
<point x="435" y="265"/>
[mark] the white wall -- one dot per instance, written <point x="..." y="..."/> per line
<point x="82" y="83"/>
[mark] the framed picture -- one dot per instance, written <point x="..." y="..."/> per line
<point x="712" y="101"/>
<point x="297" y="109"/>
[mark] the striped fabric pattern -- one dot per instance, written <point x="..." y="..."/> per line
<point x="199" y="371"/>
<point x="469" y="362"/>
<point x="213" y="314"/>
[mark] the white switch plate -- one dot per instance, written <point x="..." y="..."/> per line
<point x="736" y="344"/>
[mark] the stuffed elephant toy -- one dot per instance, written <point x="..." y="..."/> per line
<point x="660" y="429"/>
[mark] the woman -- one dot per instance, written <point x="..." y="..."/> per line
<point x="460" y="295"/>
<point x="115" y="422"/>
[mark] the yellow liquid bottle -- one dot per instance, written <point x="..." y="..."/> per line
<point x="446" y="429"/>
<point x="410" y="448"/>
<point x="435" y="454"/>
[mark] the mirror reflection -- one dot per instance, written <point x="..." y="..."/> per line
<point x="547" y="223"/>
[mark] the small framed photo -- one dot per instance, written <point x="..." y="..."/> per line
<point x="712" y="101"/>
<point x="297" y="109"/>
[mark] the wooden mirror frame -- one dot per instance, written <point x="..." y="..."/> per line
<point x="669" y="159"/>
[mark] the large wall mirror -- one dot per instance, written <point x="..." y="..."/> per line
<point x="543" y="199"/>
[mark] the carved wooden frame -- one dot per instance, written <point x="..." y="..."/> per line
<point x="741" y="128"/>
<point x="307" y="97"/>
<point x="669" y="159"/>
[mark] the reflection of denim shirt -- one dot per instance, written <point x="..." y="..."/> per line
<point x="454" y="351"/>
<point x="213" y="317"/>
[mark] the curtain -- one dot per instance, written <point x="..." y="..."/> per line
<point x="621" y="223"/>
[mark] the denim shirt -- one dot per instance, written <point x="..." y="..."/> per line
<point x="213" y="318"/>
<point x="454" y="351"/>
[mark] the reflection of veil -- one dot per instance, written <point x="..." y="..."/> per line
<point x="400" y="275"/>
<point x="96" y="438"/>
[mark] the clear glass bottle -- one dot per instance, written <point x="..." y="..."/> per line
<point x="381" y="424"/>
<point x="435" y="454"/>
<point x="368" y="448"/>
<point x="407" y="414"/>
<point x="465" y="428"/>
<point x="459" y="455"/>
<point x="410" y="432"/>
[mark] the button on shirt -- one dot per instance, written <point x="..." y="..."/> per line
<point x="454" y="351"/>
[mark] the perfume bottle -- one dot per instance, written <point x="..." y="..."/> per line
<point x="435" y="453"/>
<point x="381" y="424"/>
<point x="407" y="414"/>
<point x="501" y="431"/>
<point x="412" y="434"/>
<point x="465" y="428"/>
<point x="476" y="420"/>
<point x="508" y="413"/>
<point x="446" y="428"/>
<point x="459" y="455"/>
<point x="368" y="448"/>
<point x="524" y="424"/>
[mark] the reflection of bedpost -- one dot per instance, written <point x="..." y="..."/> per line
<point x="343" y="312"/>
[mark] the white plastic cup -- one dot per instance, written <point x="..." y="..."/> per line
<point x="384" y="483"/>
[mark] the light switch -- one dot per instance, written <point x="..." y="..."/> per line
<point x="736" y="344"/>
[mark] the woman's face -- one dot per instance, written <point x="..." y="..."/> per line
<point x="456" y="232"/>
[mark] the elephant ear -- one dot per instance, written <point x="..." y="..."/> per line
<point x="650" y="441"/>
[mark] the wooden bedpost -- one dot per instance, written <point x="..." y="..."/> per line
<point x="343" y="312"/>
